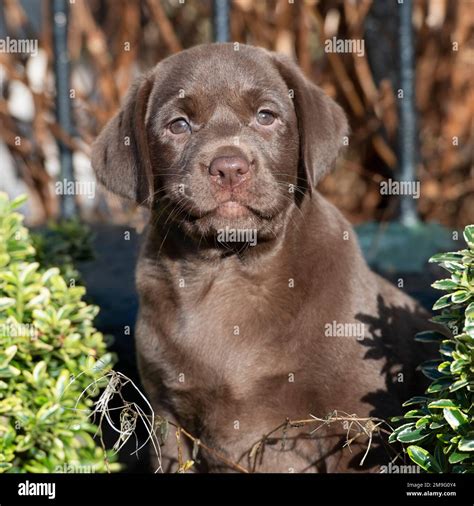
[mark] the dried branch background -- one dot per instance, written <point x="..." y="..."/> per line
<point x="111" y="41"/>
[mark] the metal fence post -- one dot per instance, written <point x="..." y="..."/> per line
<point x="221" y="14"/>
<point x="63" y="103"/>
<point x="407" y="125"/>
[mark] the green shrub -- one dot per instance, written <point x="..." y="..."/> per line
<point x="49" y="353"/>
<point x="442" y="422"/>
<point x="62" y="245"/>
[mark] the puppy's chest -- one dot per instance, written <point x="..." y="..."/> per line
<point x="228" y="324"/>
<point x="226" y="306"/>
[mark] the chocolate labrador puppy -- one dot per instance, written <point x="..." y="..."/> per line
<point x="256" y="305"/>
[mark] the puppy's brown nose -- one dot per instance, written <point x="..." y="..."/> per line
<point x="229" y="170"/>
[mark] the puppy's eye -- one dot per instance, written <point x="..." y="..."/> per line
<point x="179" y="126"/>
<point x="265" y="117"/>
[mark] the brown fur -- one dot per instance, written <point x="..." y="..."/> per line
<point x="223" y="328"/>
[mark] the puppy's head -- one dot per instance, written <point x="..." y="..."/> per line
<point x="216" y="137"/>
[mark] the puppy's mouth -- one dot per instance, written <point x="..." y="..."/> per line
<point x="234" y="214"/>
<point x="231" y="209"/>
<point x="234" y="210"/>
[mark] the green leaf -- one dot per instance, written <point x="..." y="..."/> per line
<point x="416" y="400"/>
<point x="430" y="369"/>
<point x="4" y="259"/>
<point x="429" y="336"/>
<point x="456" y="457"/>
<point x="442" y="302"/>
<point x="469" y="235"/>
<point x="454" y="417"/>
<point x="102" y="363"/>
<point x="422" y="458"/>
<point x="58" y="283"/>
<point x="439" y="458"/>
<point x="6" y="302"/>
<point x="42" y="316"/>
<point x="61" y="383"/>
<point x="442" y="404"/>
<point x="45" y="412"/>
<point x="457" y="385"/>
<point x="444" y="438"/>
<point x="455" y="267"/>
<point x="8" y="355"/>
<point x="447" y="347"/>
<point x="439" y="385"/>
<point x="39" y="372"/>
<point x="412" y="434"/>
<point x="466" y="445"/>
<point x="18" y="201"/>
<point x="24" y="443"/>
<point x="457" y="366"/>
<point x="9" y="372"/>
<point x="469" y="329"/>
<point x="445" y="257"/>
<point x="460" y="296"/>
<point x="47" y="275"/>
<point x="392" y="438"/>
<point x="414" y="413"/>
<point x="444" y="367"/>
<point x="470" y="310"/>
<point x="42" y="299"/>
<point x="26" y="275"/>
<point x="445" y="284"/>
<point x="423" y="422"/>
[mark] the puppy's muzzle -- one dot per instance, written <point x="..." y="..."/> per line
<point x="229" y="171"/>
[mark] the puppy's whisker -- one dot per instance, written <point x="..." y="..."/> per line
<point x="291" y="177"/>
<point x="151" y="197"/>
<point x="176" y="207"/>
<point x="162" y="211"/>
<point x="291" y="201"/>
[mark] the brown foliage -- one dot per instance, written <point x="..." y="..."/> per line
<point x="111" y="41"/>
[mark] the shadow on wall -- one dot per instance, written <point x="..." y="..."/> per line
<point x="403" y="379"/>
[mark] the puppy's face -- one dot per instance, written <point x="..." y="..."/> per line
<point x="223" y="137"/>
<point x="216" y="137"/>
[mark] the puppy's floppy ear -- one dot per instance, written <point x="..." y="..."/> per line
<point x="322" y="124"/>
<point x="120" y="154"/>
